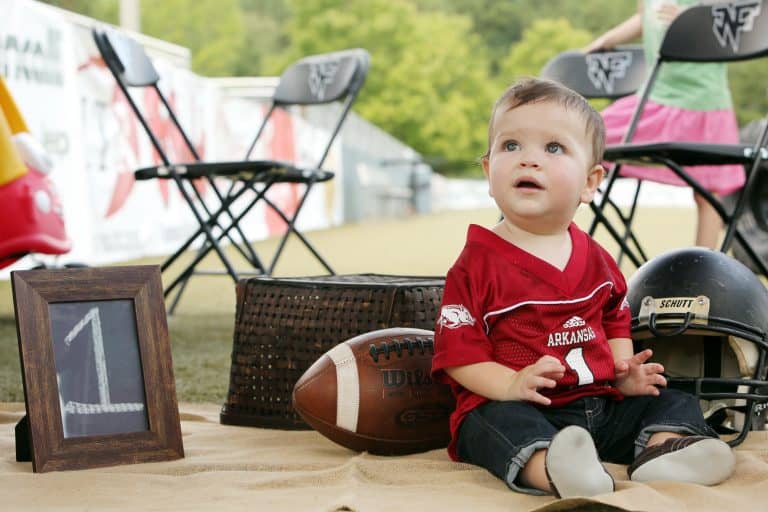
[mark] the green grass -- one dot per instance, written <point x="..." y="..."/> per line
<point x="201" y="330"/>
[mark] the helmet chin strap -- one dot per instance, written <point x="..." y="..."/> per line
<point x="658" y="333"/>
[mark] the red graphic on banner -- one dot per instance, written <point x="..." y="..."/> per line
<point x="124" y="182"/>
<point x="162" y="127"/>
<point x="284" y="195"/>
<point x="169" y="137"/>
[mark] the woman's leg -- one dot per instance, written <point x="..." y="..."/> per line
<point x="709" y="224"/>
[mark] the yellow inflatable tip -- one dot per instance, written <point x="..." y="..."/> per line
<point x="11" y="122"/>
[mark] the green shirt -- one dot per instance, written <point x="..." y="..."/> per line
<point x="693" y="86"/>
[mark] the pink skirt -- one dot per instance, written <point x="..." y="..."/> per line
<point x="662" y="123"/>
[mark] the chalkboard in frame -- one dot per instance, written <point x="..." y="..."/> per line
<point x="96" y="367"/>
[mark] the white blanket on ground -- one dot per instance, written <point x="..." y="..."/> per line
<point x="243" y="468"/>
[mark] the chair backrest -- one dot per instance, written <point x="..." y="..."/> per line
<point x="323" y="78"/>
<point x="606" y="74"/>
<point x="126" y="59"/>
<point x="129" y="64"/>
<point x="320" y="79"/>
<point x="720" y="32"/>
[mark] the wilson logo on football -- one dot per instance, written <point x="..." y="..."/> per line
<point x="400" y="378"/>
<point x="453" y="316"/>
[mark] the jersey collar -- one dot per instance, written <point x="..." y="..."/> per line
<point x="566" y="280"/>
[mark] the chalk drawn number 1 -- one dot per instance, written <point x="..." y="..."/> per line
<point x="105" y="404"/>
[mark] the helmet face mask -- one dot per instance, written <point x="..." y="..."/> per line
<point x="705" y="316"/>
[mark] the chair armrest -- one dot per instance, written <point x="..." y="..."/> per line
<point x="682" y="153"/>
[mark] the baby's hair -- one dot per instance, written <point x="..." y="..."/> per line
<point x="534" y="90"/>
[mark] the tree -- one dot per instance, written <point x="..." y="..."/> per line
<point x="428" y="83"/>
<point x="105" y="10"/>
<point x="748" y="81"/>
<point x="263" y="20"/>
<point x="501" y="24"/>
<point x="212" y="29"/>
<point x="541" y="41"/>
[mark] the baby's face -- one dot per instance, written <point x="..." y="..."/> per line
<point x="540" y="165"/>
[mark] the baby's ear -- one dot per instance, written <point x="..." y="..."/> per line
<point x="486" y="170"/>
<point x="594" y="177"/>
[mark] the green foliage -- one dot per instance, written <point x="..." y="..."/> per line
<point x="104" y="10"/>
<point x="212" y="29"/>
<point x="428" y="84"/>
<point x="501" y="23"/>
<point x="264" y="37"/>
<point x="437" y="64"/>
<point x="541" y="41"/>
<point x="748" y="81"/>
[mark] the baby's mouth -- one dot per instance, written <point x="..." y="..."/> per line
<point x="528" y="183"/>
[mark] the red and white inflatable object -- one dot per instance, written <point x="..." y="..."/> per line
<point x="30" y="209"/>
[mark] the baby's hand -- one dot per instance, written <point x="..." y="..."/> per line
<point x="544" y="373"/>
<point x="636" y="377"/>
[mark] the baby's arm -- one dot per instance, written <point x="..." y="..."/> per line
<point x="633" y="375"/>
<point x="498" y="382"/>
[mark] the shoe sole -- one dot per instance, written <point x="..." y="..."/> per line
<point x="707" y="462"/>
<point x="573" y="466"/>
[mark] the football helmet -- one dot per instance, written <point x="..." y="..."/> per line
<point x="705" y="316"/>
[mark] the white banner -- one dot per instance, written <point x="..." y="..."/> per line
<point x="74" y="106"/>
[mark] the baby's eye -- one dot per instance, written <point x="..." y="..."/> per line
<point x="555" y="148"/>
<point x="510" y="145"/>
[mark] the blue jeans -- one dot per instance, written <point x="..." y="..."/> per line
<point x="502" y="436"/>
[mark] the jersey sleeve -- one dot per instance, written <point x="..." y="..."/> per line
<point x="460" y="337"/>
<point x="617" y="317"/>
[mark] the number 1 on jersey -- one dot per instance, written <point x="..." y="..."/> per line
<point x="575" y="359"/>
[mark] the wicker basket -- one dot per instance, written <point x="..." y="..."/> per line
<point x="282" y="326"/>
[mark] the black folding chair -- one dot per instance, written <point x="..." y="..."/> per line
<point x="320" y="79"/>
<point x="609" y="75"/>
<point x="722" y="32"/>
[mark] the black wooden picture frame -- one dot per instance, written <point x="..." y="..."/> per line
<point x="113" y="400"/>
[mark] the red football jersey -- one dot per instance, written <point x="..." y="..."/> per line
<point x="504" y="304"/>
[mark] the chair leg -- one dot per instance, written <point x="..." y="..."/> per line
<point x="606" y="194"/>
<point x="599" y="218"/>
<point x="756" y="258"/>
<point x="206" y="248"/>
<point x="730" y="220"/>
<point x="252" y="258"/>
<point x="292" y="229"/>
<point x="224" y="204"/>
<point x="177" y="297"/>
<point x="628" y="223"/>
<point x="205" y="228"/>
<point x="183" y="278"/>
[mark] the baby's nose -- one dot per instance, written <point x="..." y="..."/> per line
<point x="529" y="162"/>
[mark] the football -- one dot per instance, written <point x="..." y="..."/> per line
<point x="374" y="393"/>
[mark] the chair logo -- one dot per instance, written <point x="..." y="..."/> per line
<point x="604" y="68"/>
<point x="320" y="76"/>
<point x="731" y="19"/>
